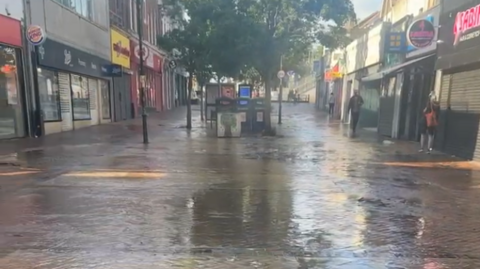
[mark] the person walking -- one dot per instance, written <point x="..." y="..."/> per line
<point x="354" y="106"/>
<point x="429" y="125"/>
<point x="331" y="104"/>
<point x="290" y="95"/>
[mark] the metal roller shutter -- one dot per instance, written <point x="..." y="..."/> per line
<point x="444" y="91"/>
<point x="440" y="136"/>
<point x="385" y="115"/>
<point x="462" y="120"/>
<point x="65" y="101"/>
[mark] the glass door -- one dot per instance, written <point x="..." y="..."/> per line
<point x="11" y="112"/>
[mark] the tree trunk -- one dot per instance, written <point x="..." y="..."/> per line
<point x="202" y="117"/>
<point x="189" y="101"/>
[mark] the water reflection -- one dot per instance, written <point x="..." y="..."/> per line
<point x="250" y="210"/>
<point x="299" y="201"/>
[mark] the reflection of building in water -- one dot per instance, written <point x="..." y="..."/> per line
<point x="251" y="209"/>
<point x="449" y="217"/>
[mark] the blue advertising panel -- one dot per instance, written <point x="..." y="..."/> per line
<point x="244" y="91"/>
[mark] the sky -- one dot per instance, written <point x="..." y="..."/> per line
<point x="363" y="8"/>
<point x="12" y="8"/>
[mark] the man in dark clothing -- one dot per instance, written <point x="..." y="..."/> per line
<point x="354" y="106"/>
<point x="331" y="104"/>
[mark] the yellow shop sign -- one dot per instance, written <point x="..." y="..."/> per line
<point x="120" y="47"/>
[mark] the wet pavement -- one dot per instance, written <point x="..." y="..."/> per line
<point x="310" y="198"/>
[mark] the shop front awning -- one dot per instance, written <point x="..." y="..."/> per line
<point x="383" y="73"/>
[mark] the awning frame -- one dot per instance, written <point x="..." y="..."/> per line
<point x="382" y="74"/>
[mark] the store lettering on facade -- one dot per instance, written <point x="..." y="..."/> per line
<point x="71" y="59"/>
<point x="421" y="33"/>
<point x="465" y="21"/>
<point x="120" y="47"/>
<point x="121" y="50"/>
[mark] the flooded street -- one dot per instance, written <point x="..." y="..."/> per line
<point x="309" y="198"/>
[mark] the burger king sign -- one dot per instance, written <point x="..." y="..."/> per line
<point x="36" y="35"/>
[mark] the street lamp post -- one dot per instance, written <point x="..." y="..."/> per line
<point x="141" y="71"/>
<point x="280" y="94"/>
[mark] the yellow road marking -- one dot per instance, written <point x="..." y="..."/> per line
<point x="17" y="173"/>
<point x="452" y="165"/>
<point x="120" y="174"/>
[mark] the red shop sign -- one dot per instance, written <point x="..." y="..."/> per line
<point x="10" y="32"/>
<point x="157" y="62"/>
<point x="150" y="57"/>
<point x="465" y="21"/>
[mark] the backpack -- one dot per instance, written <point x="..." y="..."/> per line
<point x="431" y="117"/>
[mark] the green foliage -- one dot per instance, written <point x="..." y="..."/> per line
<point x="334" y="37"/>
<point x="251" y="76"/>
<point x="191" y="45"/>
<point x="247" y="38"/>
<point x="204" y="76"/>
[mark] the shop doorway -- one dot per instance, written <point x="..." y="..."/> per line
<point x="65" y="101"/>
<point x="122" y="98"/>
<point x="94" y="104"/>
<point x="12" y="123"/>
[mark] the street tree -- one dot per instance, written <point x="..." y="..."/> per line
<point x="251" y="76"/>
<point x="281" y="26"/>
<point x="333" y="37"/>
<point x="192" y="52"/>
<point x="208" y="39"/>
<point x="257" y="33"/>
<point x="231" y="37"/>
<point x="203" y="76"/>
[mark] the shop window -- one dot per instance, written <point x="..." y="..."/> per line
<point x="80" y="98"/>
<point x="105" y="95"/>
<point x="81" y="7"/>
<point x="10" y="103"/>
<point x="9" y="76"/>
<point x="49" y="95"/>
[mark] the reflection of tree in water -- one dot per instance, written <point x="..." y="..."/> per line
<point x="245" y="210"/>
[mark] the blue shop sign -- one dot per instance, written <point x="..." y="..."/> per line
<point x="112" y="70"/>
<point x="396" y="42"/>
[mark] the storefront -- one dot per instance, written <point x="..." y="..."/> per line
<point x="334" y="79"/>
<point x="153" y="78"/>
<point x="370" y="91"/>
<point x="73" y="92"/>
<point x="407" y="74"/>
<point x="419" y="79"/>
<point x="13" y="113"/>
<point x="122" y="93"/>
<point x="321" y="96"/>
<point x="362" y="75"/>
<point x="181" y="86"/>
<point x="168" y="72"/>
<point x="392" y="77"/>
<point x="459" y="93"/>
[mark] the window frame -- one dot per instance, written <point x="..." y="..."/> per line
<point x="90" y="14"/>
<point x="59" y="106"/>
